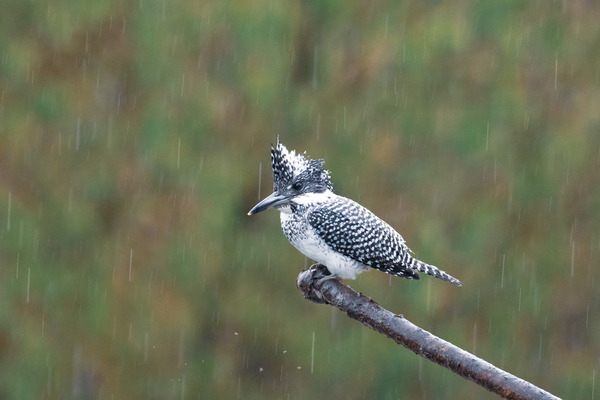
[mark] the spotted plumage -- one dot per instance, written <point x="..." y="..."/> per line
<point x="333" y="230"/>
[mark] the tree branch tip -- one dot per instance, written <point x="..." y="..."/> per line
<point x="310" y="282"/>
<point x="318" y="285"/>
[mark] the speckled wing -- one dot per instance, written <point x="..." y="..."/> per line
<point x="352" y="230"/>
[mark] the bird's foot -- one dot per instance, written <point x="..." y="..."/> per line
<point x="326" y="278"/>
<point x="310" y="282"/>
<point x="320" y="274"/>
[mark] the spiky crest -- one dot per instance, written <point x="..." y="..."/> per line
<point x="289" y="167"/>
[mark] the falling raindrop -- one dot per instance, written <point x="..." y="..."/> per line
<point x="572" y="258"/>
<point x="555" y="73"/>
<point x="312" y="353"/>
<point x="8" y="211"/>
<point x="259" y="178"/>
<point x="43" y="322"/>
<point x="130" y="262"/>
<point x="487" y="136"/>
<point x="315" y="61"/>
<point x="587" y="316"/>
<point x="28" y="280"/>
<point x="178" y="152"/>
<point x="474" y="349"/>
<point x="502" y="276"/>
<point x="593" y="383"/>
<point x="77" y="134"/>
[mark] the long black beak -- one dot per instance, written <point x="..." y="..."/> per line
<point x="271" y="201"/>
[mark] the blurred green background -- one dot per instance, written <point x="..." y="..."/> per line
<point x="134" y="137"/>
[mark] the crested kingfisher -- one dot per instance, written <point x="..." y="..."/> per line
<point x="333" y="230"/>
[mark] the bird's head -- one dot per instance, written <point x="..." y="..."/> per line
<point x="296" y="179"/>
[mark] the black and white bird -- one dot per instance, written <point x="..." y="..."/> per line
<point x="333" y="230"/>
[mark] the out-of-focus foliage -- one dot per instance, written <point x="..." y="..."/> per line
<point x="134" y="137"/>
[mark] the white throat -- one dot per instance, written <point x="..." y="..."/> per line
<point x="313" y="198"/>
<point x="307" y="199"/>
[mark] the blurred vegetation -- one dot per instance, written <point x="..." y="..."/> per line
<point x="134" y="137"/>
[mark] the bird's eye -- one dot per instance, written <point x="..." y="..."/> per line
<point x="297" y="186"/>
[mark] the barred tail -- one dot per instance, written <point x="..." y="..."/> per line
<point x="420" y="266"/>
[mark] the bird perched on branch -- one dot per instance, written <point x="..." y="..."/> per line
<point x="333" y="230"/>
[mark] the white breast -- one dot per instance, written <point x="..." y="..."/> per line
<point x="312" y="246"/>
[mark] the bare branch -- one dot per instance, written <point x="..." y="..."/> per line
<point x="421" y="342"/>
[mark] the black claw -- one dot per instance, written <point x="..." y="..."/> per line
<point x="320" y="272"/>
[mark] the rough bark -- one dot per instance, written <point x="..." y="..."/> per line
<point x="421" y="342"/>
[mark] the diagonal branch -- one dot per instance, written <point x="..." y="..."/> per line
<point x="421" y="342"/>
